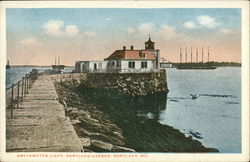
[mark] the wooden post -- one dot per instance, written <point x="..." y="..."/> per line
<point x="31" y="79"/>
<point x="27" y="84"/>
<point x="12" y="100"/>
<point x="18" y="83"/>
<point x="22" y="88"/>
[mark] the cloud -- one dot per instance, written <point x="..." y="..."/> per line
<point x="189" y="25"/>
<point x="131" y="30"/>
<point x="31" y="42"/>
<point x="169" y="32"/>
<point x="163" y="32"/>
<point x="108" y="19"/>
<point x="226" y="31"/>
<point x="207" y="21"/>
<point x="54" y="27"/>
<point x="71" y="30"/>
<point x="90" y="33"/>
<point x="146" y="28"/>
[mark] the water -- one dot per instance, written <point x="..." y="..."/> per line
<point x="15" y="73"/>
<point x="214" y="118"/>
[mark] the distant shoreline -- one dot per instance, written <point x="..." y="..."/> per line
<point x="35" y="66"/>
<point x="218" y="64"/>
<point x="212" y="63"/>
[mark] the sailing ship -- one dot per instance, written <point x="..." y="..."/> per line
<point x="195" y="65"/>
<point x="57" y="68"/>
<point x="8" y="65"/>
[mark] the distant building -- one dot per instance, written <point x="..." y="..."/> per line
<point x="125" y="60"/>
<point x="130" y="60"/>
<point x="165" y="64"/>
<point x="90" y="66"/>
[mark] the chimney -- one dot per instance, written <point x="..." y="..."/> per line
<point x="131" y="47"/>
<point x="124" y="48"/>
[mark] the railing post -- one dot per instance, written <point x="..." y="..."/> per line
<point x="30" y="80"/>
<point x="27" y="82"/>
<point x="22" y="88"/>
<point x="18" y="83"/>
<point x="12" y="100"/>
<point x="28" y="85"/>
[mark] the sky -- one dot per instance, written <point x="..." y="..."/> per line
<point x="36" y="36"/>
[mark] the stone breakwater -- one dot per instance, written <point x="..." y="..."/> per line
<point x="95" y="129"/>
<point x="101" y="108"/>
<point x="133" y="84"/>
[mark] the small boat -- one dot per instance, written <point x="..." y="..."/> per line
<point x="194" y="96"/>
<point x="8" y="65"/>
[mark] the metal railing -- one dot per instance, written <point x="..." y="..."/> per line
<point x="16" y="93"/>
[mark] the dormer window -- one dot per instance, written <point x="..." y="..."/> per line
<point x="143" y="55"/>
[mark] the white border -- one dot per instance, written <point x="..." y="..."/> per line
<point x="244" y="5"/>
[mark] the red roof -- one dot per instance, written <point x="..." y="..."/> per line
<point x="131" y="54"/>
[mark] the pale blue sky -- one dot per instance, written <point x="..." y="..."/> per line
<point x="110" y="26"/>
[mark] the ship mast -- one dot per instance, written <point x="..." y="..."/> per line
<point x="180" y="56"/>
<point x="196" y="54"/>
<point x="186" y="55"/>
<point x="202" y="54"/>
<point x="191" y="55"/>
<point x="207" y="53"/>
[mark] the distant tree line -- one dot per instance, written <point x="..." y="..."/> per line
<point x="205" y="64"/>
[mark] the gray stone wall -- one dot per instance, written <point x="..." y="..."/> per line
<point x="134" y="84"/>
<point x="139" y="84"/>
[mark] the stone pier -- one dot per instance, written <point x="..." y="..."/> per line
<point x="39" y="124"/>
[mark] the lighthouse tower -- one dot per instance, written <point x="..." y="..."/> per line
<point x="149" y="45"/>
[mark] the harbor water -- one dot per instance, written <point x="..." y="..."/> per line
<point x="213" y="118"/>
<point x="15" y="73"/>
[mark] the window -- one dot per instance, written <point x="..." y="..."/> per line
<point x="95" y="66"/>
<point x="131" y="64"/>
<point x="117" y="64"/>
<point x="144" y="64"/>
<point x="143" y="55"/>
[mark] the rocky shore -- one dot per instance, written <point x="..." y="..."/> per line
<point x="105" y="122"/>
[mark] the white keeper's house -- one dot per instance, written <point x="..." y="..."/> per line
<point x="125" y="61"/>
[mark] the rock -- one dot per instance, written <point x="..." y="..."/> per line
<point x="84" y="132"/>
<point x="128" y="79"/>
<point x="72" y="109"/>
<point x="125" y="89"/>
<point x="90" y="121"/>
<point x="122" y="149"/>
<point x="85" y="142"/>
<point x="72" y="114"/>
<point x="64" y="103"/>
<point x="119" y="135"/>
<point x="100" y="146"/>
<point x="212" y="150"/>
<point x="81" y="131"/>
<point x="84" y="114"/>
<point x="74" y="122"/>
